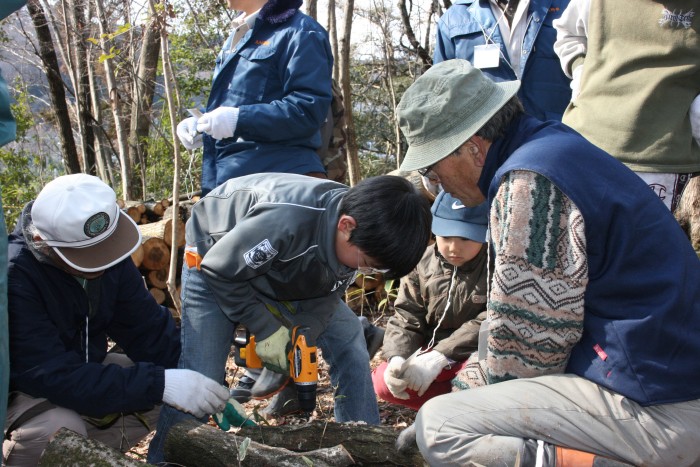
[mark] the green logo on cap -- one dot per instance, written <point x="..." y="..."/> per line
<point x="96" y="225"/>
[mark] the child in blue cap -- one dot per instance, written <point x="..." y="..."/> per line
<point x="439" y="308"/>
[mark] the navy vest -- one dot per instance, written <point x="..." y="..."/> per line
<point x="641" y="335"/>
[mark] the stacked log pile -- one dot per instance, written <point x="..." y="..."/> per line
<point x="156" y="222"/>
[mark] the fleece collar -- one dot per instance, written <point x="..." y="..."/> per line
<point x="279" y="11"/>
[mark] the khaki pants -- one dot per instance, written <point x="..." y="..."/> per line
<point x="487" y="425"/>
<point x="27" y="442"/>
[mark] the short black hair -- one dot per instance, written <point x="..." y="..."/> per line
<point x="393" y="222"/>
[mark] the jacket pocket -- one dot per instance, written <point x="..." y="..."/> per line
<point x="254" y="70"/>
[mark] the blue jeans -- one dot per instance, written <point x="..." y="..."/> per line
<point x="207" y="333"/>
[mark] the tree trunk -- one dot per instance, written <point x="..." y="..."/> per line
<point x="408" y="30"/>
<point x="115" y="102"/>
<point x="332" y="28"/>
<point x="144" y="90"/>
<point x="169" y="81"/>
<point x="312" y="8"/>
<point x="49" y="61"/>
<point x="353" y="159"/>
<point x="80" y="34"/>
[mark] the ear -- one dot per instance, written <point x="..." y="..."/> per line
<point x="478" y="150"/>
<point x="346" y="224"/>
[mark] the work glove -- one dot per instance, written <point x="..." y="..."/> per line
<point x="421" y="370"/>
<point x="273" y="350"/>
<point x="187" y="134"/>
<point x="392" y="378"/>
<point x="192" y="392"/>
<point x="695" y="118"/>
<point x="576" y="82"/>
<point x="220" y="123"/>
<point x="233" y="416"/>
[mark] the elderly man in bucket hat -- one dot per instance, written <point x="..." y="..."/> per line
<point x="593" y="315"/>
<point x="71" y="285"/>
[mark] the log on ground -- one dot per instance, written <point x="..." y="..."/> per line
<point x="367" y="444"/>
<point x="68" y="448"/>
<point x="192" y="443"/>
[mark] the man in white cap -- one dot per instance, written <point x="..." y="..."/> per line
<point x="593" y="314"/>
<point x="72" y="285"/>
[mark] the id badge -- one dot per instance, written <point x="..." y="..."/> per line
<point x="487" y="56"/>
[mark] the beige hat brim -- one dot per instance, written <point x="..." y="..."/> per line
<point x="429" y="153"/>
<point x="125" y="239"/>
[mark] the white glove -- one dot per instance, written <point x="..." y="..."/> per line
<point x="576" y="82"/>
<point x="392" y="378"/>
<point x="192" y="392"/>
<point x="421" y="370"/>
<point x="220" y="123"/>
<point x="187" y="133"/>
<point x="695" y="118"/>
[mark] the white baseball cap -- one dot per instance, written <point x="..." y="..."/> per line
<point x="78" y="216"/>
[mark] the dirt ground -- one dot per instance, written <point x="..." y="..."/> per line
<point x="390" y="414"/>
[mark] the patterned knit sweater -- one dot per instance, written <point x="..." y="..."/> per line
<point x="535" y="308"/>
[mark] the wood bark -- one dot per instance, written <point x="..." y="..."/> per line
<point x="68" y="448"/>
<point x="144" y="90"/>
<point x="79" y="33"/>
<point x="332" y="29"/>
<point x="192" y="443"/>
<point x="49" y="61"/>
<point x="115" y="103"/>
<point x="421" y="51"/>
<point x="354" y="174"/>
<point x="171" y="90"/>
<point x="368" y="444"/>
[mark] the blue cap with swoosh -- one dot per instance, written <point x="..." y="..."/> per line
<point x="453" y="219"/>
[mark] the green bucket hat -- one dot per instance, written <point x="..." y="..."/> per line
<point x="445" y="107"/>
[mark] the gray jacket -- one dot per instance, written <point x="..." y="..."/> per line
<point x="270" y="237"/>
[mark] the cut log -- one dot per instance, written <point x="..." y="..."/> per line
<point x="163" y="229"/>
<point x="156" y="254"/>
<point x="133" y="212"/>
<point x="154" y="209"/>
<point x="157" y="294"/>
<point x="367" y="444"/>
<point x="191" y="443"/>
<point x="137" y="256"/>
<point x="68" y="448"/>
<point x="157" y="278"/>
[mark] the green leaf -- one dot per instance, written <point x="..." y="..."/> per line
<point x="243" y="449"/>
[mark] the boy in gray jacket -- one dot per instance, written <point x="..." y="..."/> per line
<point x="438" y="310"/>
<point x="292" y="244"/>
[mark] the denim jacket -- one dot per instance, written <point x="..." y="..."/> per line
<point x="545" y="90"/>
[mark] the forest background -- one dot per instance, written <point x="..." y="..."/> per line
<point x="99" y="85"/>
